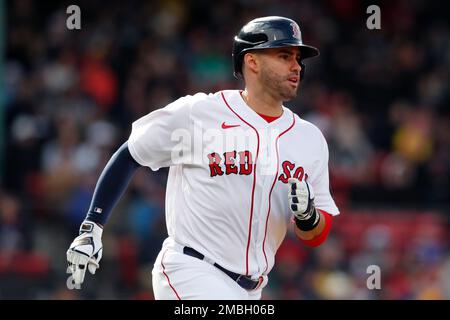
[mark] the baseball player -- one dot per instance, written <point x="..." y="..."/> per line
<point x="243" y="169"/>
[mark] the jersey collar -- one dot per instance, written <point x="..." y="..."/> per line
<point x="236" y="102"/>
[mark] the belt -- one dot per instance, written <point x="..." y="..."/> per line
<point x="244" y="281"/>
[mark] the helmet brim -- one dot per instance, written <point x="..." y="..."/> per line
<point x="305" y="50"/>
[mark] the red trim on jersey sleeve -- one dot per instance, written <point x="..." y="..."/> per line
<point x="318" y="240"/>
<point x="269" y="119"/>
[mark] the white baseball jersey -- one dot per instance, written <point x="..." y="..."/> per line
<point x="227" y="188"/>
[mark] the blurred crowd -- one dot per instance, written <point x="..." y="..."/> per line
<point x="380" y="97"/>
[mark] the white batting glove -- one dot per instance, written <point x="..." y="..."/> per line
<point x="301" y="204"/>
<point x="85" y="251"/>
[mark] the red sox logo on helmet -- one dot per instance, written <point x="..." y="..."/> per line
<point x="296" y="31"/>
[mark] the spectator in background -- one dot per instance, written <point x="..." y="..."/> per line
<point x="379" y="96"/>
<point x="12" y="229"/>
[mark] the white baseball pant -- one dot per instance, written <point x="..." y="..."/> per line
<point x="177" y="276"/>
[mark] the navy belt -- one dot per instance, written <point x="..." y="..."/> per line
<point x="244" y="281"/>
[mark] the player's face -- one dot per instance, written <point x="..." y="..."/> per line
<point x="280" y="72"/>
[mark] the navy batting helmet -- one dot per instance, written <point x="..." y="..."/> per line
<point x="269" y="32"/>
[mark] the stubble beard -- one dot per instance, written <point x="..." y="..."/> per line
<point x="277" y="85"/>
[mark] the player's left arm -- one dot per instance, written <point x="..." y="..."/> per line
<point x="314" y="233"/>
<point x="312" y="225"/>
<point x="313" y="207"/>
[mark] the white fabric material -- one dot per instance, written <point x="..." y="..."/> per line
<point x="177" y="276"/>
<point x="236" y="219"/>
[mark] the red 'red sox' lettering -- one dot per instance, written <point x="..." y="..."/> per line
<point x="287" y="167"/>
<point x="214" y="164"/>
<point x="229" y="164"/>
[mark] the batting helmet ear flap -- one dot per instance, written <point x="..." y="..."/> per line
<point x="302" y="71"/>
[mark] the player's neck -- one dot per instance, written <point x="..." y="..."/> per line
<point x="262" y="103"/>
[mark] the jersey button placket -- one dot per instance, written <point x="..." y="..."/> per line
<point x="263" y="194"/>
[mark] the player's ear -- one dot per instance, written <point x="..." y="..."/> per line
<point x="251" y="62"/>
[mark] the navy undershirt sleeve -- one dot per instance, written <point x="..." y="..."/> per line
<point x="111" y="185"/>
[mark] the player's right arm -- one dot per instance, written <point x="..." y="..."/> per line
<point x="86" y="250"/>
<point x="150" y="144"/>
